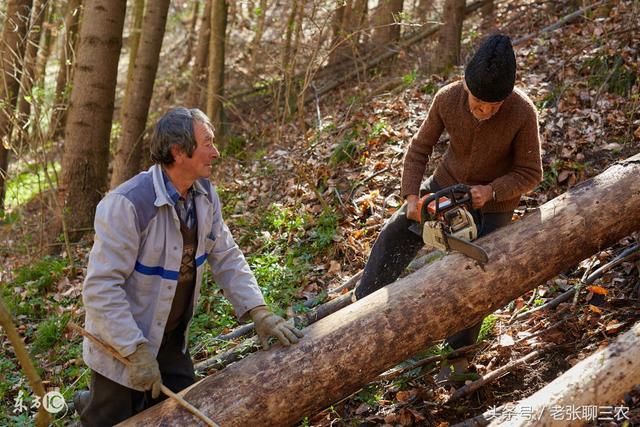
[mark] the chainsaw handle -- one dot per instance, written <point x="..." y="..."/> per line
<point x="459" y="194"/>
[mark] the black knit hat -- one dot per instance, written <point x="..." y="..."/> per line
<point x="491" y="73"/>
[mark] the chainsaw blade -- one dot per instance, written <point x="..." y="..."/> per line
<point x="469" y="249"/>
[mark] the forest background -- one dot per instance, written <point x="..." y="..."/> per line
<point x="314" y="103"/>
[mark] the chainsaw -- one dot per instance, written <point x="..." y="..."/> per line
<point x="446" y="222"/>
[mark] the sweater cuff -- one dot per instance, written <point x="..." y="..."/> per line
<point x="500" y="191"/>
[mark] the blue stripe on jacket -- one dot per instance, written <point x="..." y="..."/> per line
<point x="156" y="271"/>
<point x="202" y="258"/>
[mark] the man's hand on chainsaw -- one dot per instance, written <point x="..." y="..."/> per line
<point x="413" y="212"/>
<point x="480" y="195"/>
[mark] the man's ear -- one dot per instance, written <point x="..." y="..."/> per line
<point x="178" y="153"/>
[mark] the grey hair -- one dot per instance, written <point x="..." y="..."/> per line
<point x="176" y="128"/>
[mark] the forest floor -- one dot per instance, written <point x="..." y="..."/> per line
<point x="306" y="208"/>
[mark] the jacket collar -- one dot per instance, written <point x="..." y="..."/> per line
<point x="162" y="195"/>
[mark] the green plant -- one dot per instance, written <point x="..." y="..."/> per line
<point x="486" y="329"/>
<point x="27" y="184"/>
<point x="409" y="78"/>
<point x="49" y="332"/>
<point x="612" y="71"/>
<point x="346" y="151"/>
<point x="235" y="147"/>
<point x="370" y="394"/>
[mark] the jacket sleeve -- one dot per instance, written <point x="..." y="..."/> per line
<point x="230" y="269"/>
<point x="526" y="170"/>
<point x="420" y="148"/>
<point x="111" y="262"/>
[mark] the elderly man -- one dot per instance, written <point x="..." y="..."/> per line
<point x="153" y="236"/>
<point x="494" y="148"/>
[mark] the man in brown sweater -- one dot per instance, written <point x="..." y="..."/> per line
<point x="494" y="147"/>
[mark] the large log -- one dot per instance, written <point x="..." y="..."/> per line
<point x="342" y="352"/>
<point x="601" y="380"/>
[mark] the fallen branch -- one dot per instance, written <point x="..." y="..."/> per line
<point x="561" y="22"/>
<point x="493" y="376"/>
<point x="43" y="418"/>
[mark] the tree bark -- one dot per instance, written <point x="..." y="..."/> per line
<point x="198" y="84"/>
<point x="12" y="47"/>
<point x="86" y="151"/>
<point x="215" y="86"/>
<point x="65" y="72"/>
<point x="599" y="380"/>
<point x="448" y="50"/>
<point x="386" y="22"/>
<point x="342" y="352"/>
<point x="136" y="109"/>
<point x="27" y="81"/>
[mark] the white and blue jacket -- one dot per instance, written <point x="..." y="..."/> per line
<point x="134" y="263"/>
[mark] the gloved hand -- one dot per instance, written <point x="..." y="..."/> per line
<point x="268" y="324"/>
<point x="144" y="371"/>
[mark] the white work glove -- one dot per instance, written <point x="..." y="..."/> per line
<point x="268" y="324"/>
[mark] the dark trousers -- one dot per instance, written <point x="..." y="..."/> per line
<point x="396" y="246"/>
<point x="111" y="403"/>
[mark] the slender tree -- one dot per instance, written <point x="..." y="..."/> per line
<point x="191" y="37"/>
<point x="67" y="50"/>
<point x="134" y="43"/>
<point x="12" y="47"/>
<point x="198" y="84"/>
<point x="257" y="37"/>
<point x="86" y="151"/>
<point x="448" y="50"/>
<point x="48" y="39"/>
<point x="215" y="86"/>
<point x="136" y="109"/>
<point x="29" y="69"/>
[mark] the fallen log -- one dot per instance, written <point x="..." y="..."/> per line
<point x="342" y="352"/>
<point x="599" y="381"/>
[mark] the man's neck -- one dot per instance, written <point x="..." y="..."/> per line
<point x="181" y="183"/>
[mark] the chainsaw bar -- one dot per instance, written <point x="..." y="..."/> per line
<point x="469" y="249"/>
<point x="463" y="246"/>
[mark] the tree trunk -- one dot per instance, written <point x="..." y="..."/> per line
<point x="448" y="50"/>
<point x="134" y="43"/>
<point x="488" y="25"/>
<point x="215" y="86"/>
<point x="29" y="70"/>
<point x="255" y="42"/>
<point x="86" y="151"/>
<point x="65" y="72"/>
<point x="191" y="37"/>
<point x="599" y="380"/>
<point x="198" y="84"/>
<point x="344" y="351"/>
<point x="12" y="46"/>
<point x="136" y="109"/>
<point x="347" y="24"/>
<point x="47" y="42"/>
<point x="387" y="22"/>
<point x="424" y="10"/>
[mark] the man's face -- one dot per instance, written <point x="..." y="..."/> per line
<point x="199" y="165"/>
<point x="481" y="110"/>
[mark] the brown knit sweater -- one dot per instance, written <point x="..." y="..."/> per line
<point x="503" y="151"/>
